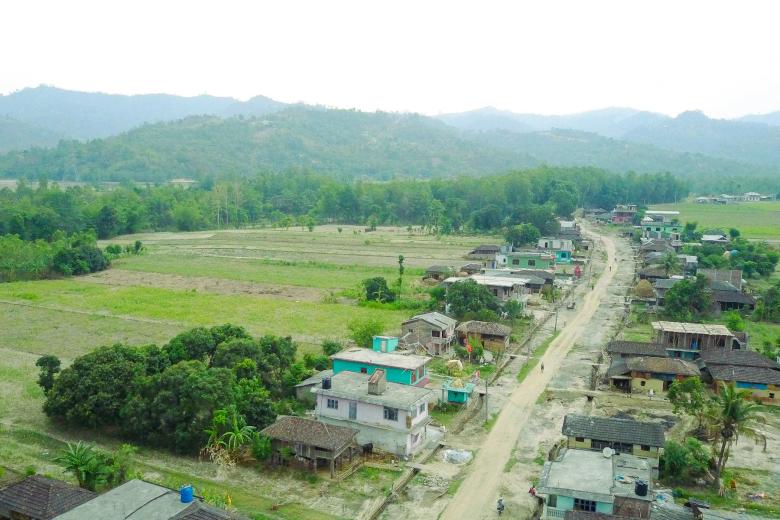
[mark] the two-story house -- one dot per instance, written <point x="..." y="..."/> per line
<point x="390" y="416"/>
<point x="433" y="330"/>
<point x="561" y="247"/>
<point x="689" y="340"/>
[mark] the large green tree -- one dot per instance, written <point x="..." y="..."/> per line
<point x="468" y="297"/>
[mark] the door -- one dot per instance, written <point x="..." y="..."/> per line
<point x="353" y="410"/>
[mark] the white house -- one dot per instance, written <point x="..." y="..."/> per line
<point x="391" y="416"/>
<point x="752" y="196"/>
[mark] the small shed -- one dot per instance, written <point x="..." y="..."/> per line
<point x="304" y="390"/>
<point x="311" y="441"/>
<point x="455" y="391"/>
<point x="384" y="343"/>
<point x="493" y="336"/>
<point x="439" y="272"/>
<point x="472" y="268"/>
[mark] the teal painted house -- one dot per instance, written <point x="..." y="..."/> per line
<point x="562" y="248"/>
<point x="456" y="392"/>
<point x="399" y="368"/>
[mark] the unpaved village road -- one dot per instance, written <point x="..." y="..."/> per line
<point x="476" y="497"/>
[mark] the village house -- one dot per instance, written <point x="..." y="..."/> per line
<point x="439" y="272"/>
<point x="590" y="481"/>
<point x="642" y="439"/>
<point x="752" y="196"/>
<point x="140" y="500"/>
<point x="493" y="336"/>
<point x="731" y="276"/>
<point x="746" y="369"/>
<point x="472" y="268"/>
<point x="561" y="247"/>
<point x="524" y="260"/>
<point x="304" y="389"/>
<point x="661" y="224"/>
<point x="455" y="391"/>
<point x="535" y="279"/>
<point x="311" y="442"/>
<point x="623" y="213"/>
<point x="655" y="245"/>
<point x="40" y="498"/>
<point x="433" y="330"/>
<point x="688" y="340"/>
<point x="504" y="288"/>
<point x="626" y="349"/>
<point x="405" y="369"/>
<point x="484" y="252"/>
<point x="720" y="239"/>
<point x="569" y="229"/>
<point x="642" y="374"/>
<point x="390" y="416"/>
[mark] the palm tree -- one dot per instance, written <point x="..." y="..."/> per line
<point x="670" y="263"/>
<point x="238" y="434"/>
<point x="733" y="414"/>
<point x="85" y="463"/>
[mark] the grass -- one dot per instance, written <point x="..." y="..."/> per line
<point x="535" y="357"/>
<point x="513" y="460"/>
<point x="747" y="481"/>
<point x="488" y="425"/>
<point x="439" y="366"/>
<point x="454" y="486"/>
<point x="759" y="332"/>
<point x="753" y="219"/>
<point x="445" y="413"/>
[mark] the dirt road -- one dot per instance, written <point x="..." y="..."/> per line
<point x="476" y="497"/>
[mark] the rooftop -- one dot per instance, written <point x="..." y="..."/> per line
<point x="636" y="347"/>
<point x="747" y="358"/>
<point x="385" y="359"/>
<point x="139" y="500"/>
<point x="592" y="476"/>
<point x="493" y="281"/>
<point x="43" y="498"/>
<point x="666" y="283"/>
<point x="440" y="269"/>
<point x="526" y="273"/>
<point x="759" y="375"/>
<point x="310" y="432"/>
<point x="659" y="212"/>
<point x="615" y="430"/>
<point x="691" y="328"/>
<point x="352" y="385"/>
<point x="436" y="319"/>
<point x="315" y="379"/>
<point x="654" y="365"/>
<point x="484" y="327"/>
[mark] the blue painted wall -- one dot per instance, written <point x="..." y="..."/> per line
<point x="393" y="375"/>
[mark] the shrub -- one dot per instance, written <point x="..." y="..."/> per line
<point x="362" y="331"/>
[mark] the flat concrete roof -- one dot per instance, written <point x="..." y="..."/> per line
<point x="354" y="386"/>
<point x="385" y="359"/>
<point x="590" y="475"/>
<point x="492" y="281"/>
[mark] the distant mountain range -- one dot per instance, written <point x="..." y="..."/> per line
<point x="157" y="137"/>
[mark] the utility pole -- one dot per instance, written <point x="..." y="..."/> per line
<point x="487" y="409"/>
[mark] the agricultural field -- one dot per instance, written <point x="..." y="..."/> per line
<point x="271" y="281"/>
<point x="759" y="220"/>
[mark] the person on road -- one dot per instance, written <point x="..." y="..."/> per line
<point x="500" y="506"/>
<point x="542" y="365"/>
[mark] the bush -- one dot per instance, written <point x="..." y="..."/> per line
<point x="330" y="347"/>
<point x="363" y="331"/>
<point x="377" y="290"/>
<point x="643" y="289"/>
<point x="690" y="459"/>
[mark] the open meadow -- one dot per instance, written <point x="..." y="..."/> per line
<point x="271" y="281"/>
<point x="760" y="220"/>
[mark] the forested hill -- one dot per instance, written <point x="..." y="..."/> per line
<point x="344" y="144"/>
<point x="18" y="135"/>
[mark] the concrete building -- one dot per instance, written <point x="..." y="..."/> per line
<point x="433" y="330"/>
<point x="623" y="213"/>
<point x="505" y="288"/>
<point x="525" y="260"/>
<point x="456" y="391"/>
<point x="304" y="389"/>
<point x="390" y="416"/>
<point x="642" y="439"/>
<point x="405" y="369"/>
<point x="561" y="247"/>
<point x="589" y="481"/>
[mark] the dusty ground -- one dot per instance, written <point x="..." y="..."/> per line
<point x="214" y="285"/>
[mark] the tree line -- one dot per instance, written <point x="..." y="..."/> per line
<point x="463" y="204"/>
<point x="170" y="396"/>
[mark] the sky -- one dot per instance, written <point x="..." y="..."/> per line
<point x="428" y="56"/>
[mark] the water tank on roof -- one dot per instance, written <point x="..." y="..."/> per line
<point x="326" y="383"/>
<point x="640" y="488"/>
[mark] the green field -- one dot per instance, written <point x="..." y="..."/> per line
<point x="285" y="282"/>
<point x="753" y="219"/>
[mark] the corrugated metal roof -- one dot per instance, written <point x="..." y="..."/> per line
<point x="610" y="429"/>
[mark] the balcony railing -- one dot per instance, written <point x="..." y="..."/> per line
<point x="552" y="512"/>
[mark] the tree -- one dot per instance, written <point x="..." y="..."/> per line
<point x="195" y="344"/>
<point x="106" y="222"/>
<point x="687" y="299"/>
<point x="670" y="263"/>
<point x="331" y="347"/>
<point x="400" y="275"/>
<point x="734" y="233"/>
<point x="688" y="397"/>
<point x="734" y="321"/>
<point x="362" y="331"/>
<point x="470" y="297"/>
<point x="732" y="415"/>
<point x="50" y="366"/>
<point x="377" y="290"/>
<point x="689" y="459"/>
<point x="86" y="464"/>
<point x="522" y="234"/>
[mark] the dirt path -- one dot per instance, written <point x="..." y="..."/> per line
<point x="476" y="497"/>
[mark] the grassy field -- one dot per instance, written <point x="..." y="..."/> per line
<point x="286" y="282"/>
<point x="753" y="219"/>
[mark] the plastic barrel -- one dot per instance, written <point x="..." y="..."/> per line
<point x="186" y="493"/>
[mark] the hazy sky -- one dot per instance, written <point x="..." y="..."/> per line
<point x="539" y="56"/>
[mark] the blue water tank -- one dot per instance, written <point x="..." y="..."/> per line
<point x="186" y="493"/>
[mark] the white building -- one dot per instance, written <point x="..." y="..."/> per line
<point x="391" y="416"/>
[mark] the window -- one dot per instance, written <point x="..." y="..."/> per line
<point x="413" y="413"/>
<point x="414" y="376"/>
<point x="645" y="447"/>
<point x="552" y="501"/>
<point x="642" y="383"/>
<point x="333" y="404"/>
<point x="579" y="439"/>
<point x="435" y="333"/>
<point x="531" y="263"/>
<point x="352" y="410"/>
<point x="584" y="505"/>
<point x="771" y="395"/>
<point x="391" y="414"/>
<point x="422" y="408"/>
<point x="363" y="370"/>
